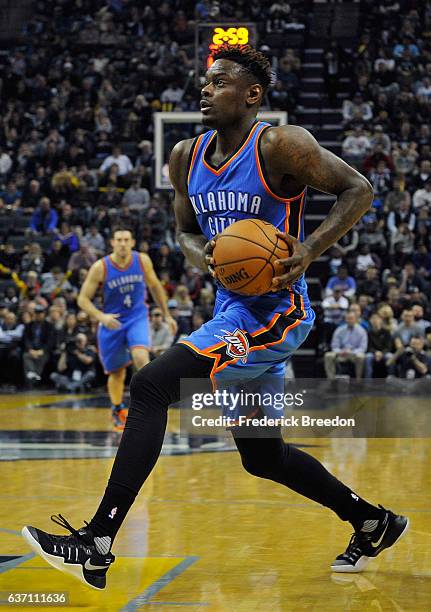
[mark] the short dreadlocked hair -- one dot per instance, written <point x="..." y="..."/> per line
<point x="252" y="61"/>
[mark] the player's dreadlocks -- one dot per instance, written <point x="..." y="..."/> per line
<point x="254" y="62"/>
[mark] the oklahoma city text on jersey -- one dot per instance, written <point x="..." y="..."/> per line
<point x="225" y="201"/>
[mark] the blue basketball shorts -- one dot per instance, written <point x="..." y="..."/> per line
<point x="248" y="341"/>
<point x="114" y="345"/>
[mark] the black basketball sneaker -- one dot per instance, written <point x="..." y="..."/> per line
<point x="81" y="554"/>
<point x="373" y="537"/>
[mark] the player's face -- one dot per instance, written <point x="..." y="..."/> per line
<point x="225" y="95"/>
<point x="122" y="244"/>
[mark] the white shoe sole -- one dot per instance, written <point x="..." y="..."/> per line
<point x="57" y="562"/>
<point x="363" y="561"/>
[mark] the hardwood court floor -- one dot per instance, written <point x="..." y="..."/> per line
<point x="203" y="534"/>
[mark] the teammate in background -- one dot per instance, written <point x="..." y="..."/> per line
<point x="241" y="168"/>
<point x="124" y="334"/>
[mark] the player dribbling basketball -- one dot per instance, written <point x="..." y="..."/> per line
<point x="241" y="168"/>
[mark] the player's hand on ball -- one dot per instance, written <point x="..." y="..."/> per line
<point x="173" y="327"/>
<point x="209" y="261"/>
<point x="110" y="321"/>
<point x="294" y="266"/>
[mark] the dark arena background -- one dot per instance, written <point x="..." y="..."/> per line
<point x="94" y="94"/>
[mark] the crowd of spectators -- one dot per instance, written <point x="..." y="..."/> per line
<point x="76" y="156"/>
<point x="382" y="268"/>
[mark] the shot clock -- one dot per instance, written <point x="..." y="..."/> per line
<point x="210" y="36"/>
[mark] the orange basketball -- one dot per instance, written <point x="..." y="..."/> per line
<point x="244" y="256"/>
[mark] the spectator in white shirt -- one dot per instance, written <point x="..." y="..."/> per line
<point x="122" y="161"/>
<point x="5" y="163"/>
<point x="422" y="197"/>
<point x="356" y="146"/>
<point x="356" y="109"/>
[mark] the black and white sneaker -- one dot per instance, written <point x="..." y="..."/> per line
<point x="373" y="537"/>
<point x="75" y="554"/>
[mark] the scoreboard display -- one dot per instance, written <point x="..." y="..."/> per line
<point x="210" y="36"/>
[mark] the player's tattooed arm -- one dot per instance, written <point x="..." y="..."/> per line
<point x="293" y="153"/>
<point x="189" y="234"/>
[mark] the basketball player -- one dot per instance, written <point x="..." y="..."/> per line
<point x="241" y="168"/>
<point x="123" y="333"/>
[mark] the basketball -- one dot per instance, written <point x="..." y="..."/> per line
<point x="245" y="254"/>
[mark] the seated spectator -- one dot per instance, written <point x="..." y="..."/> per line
<point x="11" y="195"/>
<point x="403" y="214"/>
<point x="402" y="240"/>
<point x="423" y="176"/>
<point x="58" y="255"/>
<point x="410" y="279"/>
<point x="38" y="341"/>
<point x="365" y="260"/>
<point x="160" y="333"/>
<point x="423" y="324"/>
<point x="44" y="219"/>
<point x="406" y="330"/>
<point x="123" y="162"/>
<point x="334" y="309"/>
<point x="54" y="282"/>
<point x="422" y="261"/>
<point x="356" y="308"/>
<point x="5" y="164"/>
<point x="342" y="280"/>
<point x="379" y="351"/>
<point x="386" y="314"/>
<point x="380" y="142"/>
<point x="33" y="259"/>
<point x="422" y="197"/>
<point x="110" y="198"/>
<point x="68" y="238"/>
<point x="31" y="195"/>
<point x="381" y="179"/>
<point x="137" y="197"/>
<point x="348" y="345"/>
<point x="94" y="239"/>
<point x="357" y="110"/>
<point x="76" y="366"/>
<point x="371" y="285"/>
<point x="356" y="146"/>
<point x="84" y="257"/>
<point x="373" y="236"/>
<point x="411" y="361"/>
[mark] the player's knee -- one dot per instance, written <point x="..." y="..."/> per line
<point x="256" y="466"/>
<point x="268" y="464"/>
<point x="118" y="375"/>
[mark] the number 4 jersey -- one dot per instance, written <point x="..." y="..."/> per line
<point x="124" y="289"/>
<point x="124" y="293"/>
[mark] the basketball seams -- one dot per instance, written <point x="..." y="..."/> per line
<point x="267" y="254"/>
<point x="245" y="240"/>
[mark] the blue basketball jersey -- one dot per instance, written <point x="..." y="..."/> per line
<point x="124" y="289"/>
<point x="237" y="189"/>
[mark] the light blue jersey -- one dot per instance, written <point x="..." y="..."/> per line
<point x="249" y="336"/>
<point x="124" y="293"/>
<point x="124" y="289"/>
<point x="239" y="190"/>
